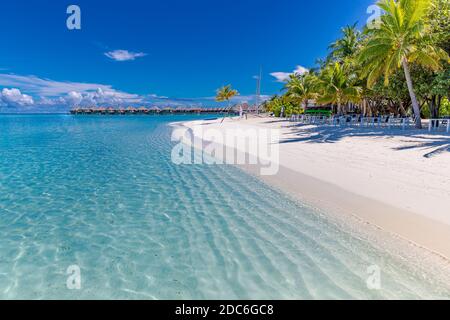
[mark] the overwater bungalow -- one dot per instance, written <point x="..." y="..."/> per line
<point x="154" y="110"/>
<point x="143" y="110"/>
<point x="100" y="110"/>
<point x="131" y="110"/>
<point x="180" y="110"/>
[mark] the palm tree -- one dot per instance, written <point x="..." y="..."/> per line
<point x="281" y="106"/>
<point x="399" y="41"/>
<point x="301" y="88"/>
<point x="346" y="46"/>
<point x="336" y="86"/>
<point x="226" y="93"/>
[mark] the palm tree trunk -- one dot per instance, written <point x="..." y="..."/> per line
<point x="402" y="108"/>
<point x="228" y="111"/>
<point x="434" y="107"/>
<point x="415" y="104"/>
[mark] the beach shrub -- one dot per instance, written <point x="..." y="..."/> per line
<point x="445" y="108"/>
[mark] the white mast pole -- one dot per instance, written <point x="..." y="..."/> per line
<point x="258" y="90"/>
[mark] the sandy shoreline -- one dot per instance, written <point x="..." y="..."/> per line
<point x="398" y="181"/>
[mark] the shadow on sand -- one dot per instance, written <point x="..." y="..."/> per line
<point x="432" y="143"/>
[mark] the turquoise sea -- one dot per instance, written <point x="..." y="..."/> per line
<point x="101" y="193"/>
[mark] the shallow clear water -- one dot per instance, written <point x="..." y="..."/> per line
<point x="102" y="193"/>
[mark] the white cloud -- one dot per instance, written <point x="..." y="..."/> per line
<point x="62" y="93"/>
<point x="14" y="98"/>
<point x="249" y="99"/>
<point x="100" y="97"/>
<point x="45" y="94"/>
<point x="45" y="87"/>
<point x="74" y="98"/>
<point x="301" y="70"/>
<point x="284" y="76"/>
<point x="281" y="76"/>
<point x="155" y="96"/>
<point x="124" y="55"/>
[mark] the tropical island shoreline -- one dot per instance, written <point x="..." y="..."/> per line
<point x="363" y="173"/>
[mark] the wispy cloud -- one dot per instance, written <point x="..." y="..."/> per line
<point x="46" y="87"/>
<point x="155" y="96"/>
<point x="250" y="99"/>
<point x="32" y="93"/>
<point x="124" y="55"/>
<point x="284" y="76"/>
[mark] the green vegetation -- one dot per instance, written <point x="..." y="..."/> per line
<point x="336" y="86"/>
<point x="301" y="89"/>
<point x="401" y="66"/>
<point x="283" y="106"/>
<point x="445" y="107"/>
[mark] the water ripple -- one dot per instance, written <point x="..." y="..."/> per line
<point x="102" y="193"/>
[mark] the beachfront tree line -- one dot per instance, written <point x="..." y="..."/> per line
<point x="400" y="65"/>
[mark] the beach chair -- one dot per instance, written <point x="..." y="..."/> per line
<point x="439" y="123"/>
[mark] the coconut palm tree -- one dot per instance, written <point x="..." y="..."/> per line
<point x="301" y="88"/>
<point x="282" y="106"/>
<point x="347" y="46"/>
<point x="336" y="86"/>
<point x="400" y="40"/>
<point x="226" y="93"/>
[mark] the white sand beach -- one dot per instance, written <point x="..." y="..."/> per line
<point x="397" y="180"/>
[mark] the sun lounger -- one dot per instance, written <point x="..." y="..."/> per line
<point x="436" y="124"/>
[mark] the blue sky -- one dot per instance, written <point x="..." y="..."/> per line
<point x="173" y="51"/>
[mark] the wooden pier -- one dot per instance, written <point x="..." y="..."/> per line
<point x="149" y="111"/>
